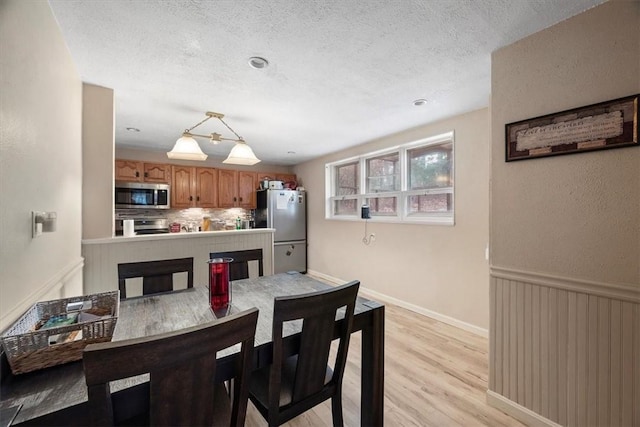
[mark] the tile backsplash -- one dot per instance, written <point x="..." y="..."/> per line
<point x="220" y="218"/>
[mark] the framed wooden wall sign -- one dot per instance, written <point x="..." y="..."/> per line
<point x="609" y="124"/>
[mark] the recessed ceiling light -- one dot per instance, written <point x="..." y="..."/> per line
<point x="420" y="102"/>
<point x="291" y="152"/>
<point x="133" y="129"/>
<point x="258" y="62"/>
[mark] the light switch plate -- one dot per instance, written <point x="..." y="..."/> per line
<point x="36" y="227"/>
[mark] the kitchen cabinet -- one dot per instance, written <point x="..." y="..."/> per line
<point x="157" y="172"/>
<point x="128" y="170"/>
<point x="237" y="189"/>
<point x="194" y="187"/>
<point x="135" y="171"/>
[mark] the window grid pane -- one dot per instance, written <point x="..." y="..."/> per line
<point x="430" y="167"/>
<point x="383" y="206"/>
<point x="429" y="203"/>
<point x="383" y="173"/>
<point x="345" y="207"/>
<point x="347" y="179"/>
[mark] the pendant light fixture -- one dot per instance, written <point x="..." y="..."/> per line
<point x="187" y="148"/>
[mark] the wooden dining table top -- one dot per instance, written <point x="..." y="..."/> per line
<point x="63" y="387"/>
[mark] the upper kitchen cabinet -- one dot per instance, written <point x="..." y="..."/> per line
<point x="134" y="171"/>
<point x="236" y="189"/>
<point x="194" y="187"/>
<point x="128" y="170"/>
<point x="206" y="187"/>
<point x="157" y="172"/>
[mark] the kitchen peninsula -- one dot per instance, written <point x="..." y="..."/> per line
<point x="102" y="256"/>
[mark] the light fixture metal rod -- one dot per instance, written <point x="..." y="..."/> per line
<point x="229" y="127"/>
<point x="195" y="126"/>
<point x="217" y="137"/>
<point x="214" y="136"/>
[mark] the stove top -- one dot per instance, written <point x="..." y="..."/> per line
<point x="145" y="226"/>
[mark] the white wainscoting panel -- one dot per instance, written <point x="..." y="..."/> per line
<point x="102" y="256"/>
<point x="566" y="350"/>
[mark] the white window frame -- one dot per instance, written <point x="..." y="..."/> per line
<point x="402" y="195"/>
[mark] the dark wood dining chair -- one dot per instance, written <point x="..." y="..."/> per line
<point x="157" y="276"/>
<point x="239" y="268"/>
<point x="294" y="384"/>
<point x="182" y="390"/>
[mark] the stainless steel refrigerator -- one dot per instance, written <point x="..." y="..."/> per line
<point x="286" y="211"/>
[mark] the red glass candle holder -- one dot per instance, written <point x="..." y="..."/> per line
<point x="219" y="284"/>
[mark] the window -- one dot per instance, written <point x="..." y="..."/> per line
<point x="383" y="184"/>
<point x="347" y="179"/>
<point x="430" y="180"/>
<point x="412" y="182"/>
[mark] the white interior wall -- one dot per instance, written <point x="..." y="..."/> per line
<point x="98" y="121"/>
<point x="40" y="158"/>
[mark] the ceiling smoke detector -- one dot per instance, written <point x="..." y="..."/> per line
<point x="258" y="62"/>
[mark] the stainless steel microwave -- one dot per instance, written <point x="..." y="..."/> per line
<point x="142" y="195"/>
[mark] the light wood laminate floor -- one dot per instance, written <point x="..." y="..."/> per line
<point x="435" y="375"/>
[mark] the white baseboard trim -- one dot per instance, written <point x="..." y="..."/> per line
<point x="621" y="291"/>
<point x="518" y="411"/>
<point x="54" y="284"/>
<point x="326" y="278"/>
<point x="412" y="307"/>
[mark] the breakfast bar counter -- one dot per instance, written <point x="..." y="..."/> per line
<point x="102" y="256"/>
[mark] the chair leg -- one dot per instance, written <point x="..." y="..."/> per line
<point x="273" y="422"/>
<point x="336" y="410"/>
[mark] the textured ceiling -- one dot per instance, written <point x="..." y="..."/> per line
<point x="341" y="73"/>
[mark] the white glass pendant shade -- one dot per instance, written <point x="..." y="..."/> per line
<point x="241" y="154"/>
<point x="186" y="148"/>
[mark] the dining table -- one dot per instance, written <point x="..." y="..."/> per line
<point x="58" y="395"/>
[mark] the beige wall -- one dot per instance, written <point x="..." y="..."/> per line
<point x="97" y="160"/>
<point x="40" y="157"/>
<point x="574" y="215"/>
<point x="565" y="232"/>
<point x="441" y="269"/>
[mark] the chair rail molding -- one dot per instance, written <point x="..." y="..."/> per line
<point x="621" y="291"/>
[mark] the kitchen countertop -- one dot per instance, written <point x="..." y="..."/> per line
<point x="182" y="235"/>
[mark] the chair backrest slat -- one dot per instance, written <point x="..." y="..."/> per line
<point x="315" y="344"/>
<point x="182" y="368"/>
<point x="157" y="276"/>
<point x="319" y="311"/>
<point x="239" y="267"/>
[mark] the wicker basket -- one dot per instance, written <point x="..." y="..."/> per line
<point x="28" y="349"/>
